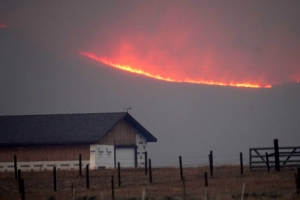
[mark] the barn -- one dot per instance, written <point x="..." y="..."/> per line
<point x="100" y="139"/>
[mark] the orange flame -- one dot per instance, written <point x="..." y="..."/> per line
<point x="156" y="76"/>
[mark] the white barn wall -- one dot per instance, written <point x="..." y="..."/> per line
<point x="102" y="156"/>
<point x="141" y="149"/>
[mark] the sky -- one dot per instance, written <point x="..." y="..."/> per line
<point x="164" y="59"/>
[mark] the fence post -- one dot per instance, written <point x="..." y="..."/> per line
<point x="119" y="175"/>
<point x="54" y="178"/>
<point x="22" y="189"/>
<point x="112" y="188"/>
<point x="87" y="177"/>
<point x="80" y="165"/>
<point x="267" y="161"/>
<point x="210" y="156"/>
<point x="276" y="149"/>
<point x="298" y="178"/>
<point x="297" y="184"/>
<point x="205" y="179"/>
<point x="150" y="171"/>
<point x="243" y="191"/>
<point x="241" y="161"/>
<point x="16" y="167"/>
<point x="146" y="164"/>
<point x="143" y="193"/>
<point x="180" y="165"/>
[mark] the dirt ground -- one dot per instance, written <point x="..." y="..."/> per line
<point x="227" y="183"/>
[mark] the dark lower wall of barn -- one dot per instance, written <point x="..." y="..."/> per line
<point x="44" y="153"/>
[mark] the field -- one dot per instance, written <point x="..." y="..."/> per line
<point x="226" y="183"/>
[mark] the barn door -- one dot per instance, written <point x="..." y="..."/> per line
<point x="126" y="156"/>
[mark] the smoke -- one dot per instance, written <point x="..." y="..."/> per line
<point x="237" y="41"/>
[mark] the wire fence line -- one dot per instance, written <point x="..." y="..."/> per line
<point x="189" y="161"/>
<point x="225" y="184"/>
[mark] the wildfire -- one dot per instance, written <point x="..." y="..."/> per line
<point x="156" y="76"/>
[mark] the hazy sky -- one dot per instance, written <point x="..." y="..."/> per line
<point x="257" y="42"/>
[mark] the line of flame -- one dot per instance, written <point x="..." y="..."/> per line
<point x="139" y="71"/>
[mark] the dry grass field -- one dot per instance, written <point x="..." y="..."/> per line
<point x="227" y="183"/>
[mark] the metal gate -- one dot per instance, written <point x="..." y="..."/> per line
<point x="289" y="157"/>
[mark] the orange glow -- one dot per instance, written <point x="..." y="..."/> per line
<point x="297" y="79"/>
<point x="2" y="25"/>
<point x="159" y="77"/>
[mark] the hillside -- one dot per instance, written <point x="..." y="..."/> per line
<point x="188" y="119"/>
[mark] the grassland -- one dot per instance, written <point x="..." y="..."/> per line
<point x="227" y="183"/>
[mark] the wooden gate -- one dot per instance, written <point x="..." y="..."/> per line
<point x="289" y="157"/>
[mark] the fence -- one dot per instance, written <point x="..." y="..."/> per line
<point x="189" y="179"/>
<point x="159" y="183"/>
<point x="264" y="157"/>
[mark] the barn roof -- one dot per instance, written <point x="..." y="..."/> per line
<point x="63" y="128"/>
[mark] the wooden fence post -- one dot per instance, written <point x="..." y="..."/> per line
<point x="276" y="149"/>
<point x="241" y="162"/>
<point x="205" y="179"/>
<point x="87" y="177"/>
<point x="297" y="184"/>
<point x="15" y="167"/>
<point x="119" y="175"/>
<point x="22" y="189"/>
<point x="146" y="164"/>
<point x="180" y="166"/>
<point x="112" y="187"/>
<point x="210" y="156"/>
<point x="80" y="165"/>
<point x="298" y="178"/>
<point x="54" y="178"/>
<point x="150" y="171"/>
